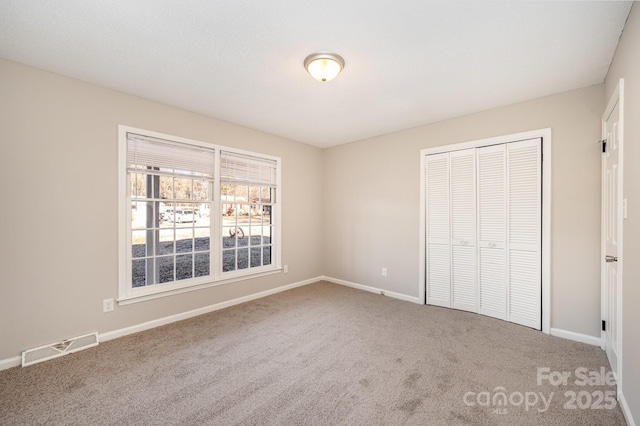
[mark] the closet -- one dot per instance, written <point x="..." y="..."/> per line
<point x="483" y="230"/>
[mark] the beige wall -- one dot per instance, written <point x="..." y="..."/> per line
<point x="626" y="64"/>
<point x="58" y="220"/>
<point x="372" y="194"/>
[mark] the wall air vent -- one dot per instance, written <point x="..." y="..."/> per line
<point x="55" y="350"/>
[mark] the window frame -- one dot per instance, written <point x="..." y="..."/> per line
<point x="128" y="294"/>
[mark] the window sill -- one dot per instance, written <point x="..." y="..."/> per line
<point x="129" y="300"/>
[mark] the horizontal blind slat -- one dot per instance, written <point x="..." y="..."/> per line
<point x="143" y="151"/>
<point x="240" y="168"/>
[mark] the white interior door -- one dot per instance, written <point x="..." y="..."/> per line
<point x="612" y="230"/>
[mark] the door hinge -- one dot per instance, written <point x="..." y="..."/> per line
<point x="604" y="325"/>
<point x="604" y="145"/>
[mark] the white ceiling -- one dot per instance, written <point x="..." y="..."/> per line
<point x="408" y="62"/>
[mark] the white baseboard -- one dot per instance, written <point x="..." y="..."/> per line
<point x="578" y="337"/>
<point x="374" y="290"/>
<point x="625" y="409"/>
<point x="200" y="311"/>
<point x="109" y="335"/>
<point x="10" y="362"/>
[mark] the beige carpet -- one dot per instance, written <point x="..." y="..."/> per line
<point x="317" y="355"/>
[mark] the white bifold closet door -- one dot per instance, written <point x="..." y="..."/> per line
<point x="492" y="231"/>
<point x="509" y="231"/>
<point x="524" y="232"/>
<point x="484" y="231"/>
<point x="438" y="235"/>
<point x="451" y="230"/>
<point x="464" y="285"/>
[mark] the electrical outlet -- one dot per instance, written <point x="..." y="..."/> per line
<point x="384" y="272"/>
<point x="107" y="305"/>
<point x="285" y="269"/>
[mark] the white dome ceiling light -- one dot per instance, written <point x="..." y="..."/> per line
<point x="324" y="66"/>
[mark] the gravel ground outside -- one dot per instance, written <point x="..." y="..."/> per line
<point x="191" y="257"/>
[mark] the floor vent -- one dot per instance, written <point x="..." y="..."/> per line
<point x="55" y="350"/>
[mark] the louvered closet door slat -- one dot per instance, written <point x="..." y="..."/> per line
<point x="463" y="230"/>
<point x="524" y="230"/>
<point x="438" y="276"/>
<point x="438" y="232"/>
<point x="491" y="180"/>
<point x="493" y="287"/>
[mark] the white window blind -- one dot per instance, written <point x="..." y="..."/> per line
<point x="144" y="151"/>
<point x="240" y="168"/>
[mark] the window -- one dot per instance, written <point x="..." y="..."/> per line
<point x="186" y="223"/>
<point x="247" y="194"/>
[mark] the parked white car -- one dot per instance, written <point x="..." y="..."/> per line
<point x="180" y="215"/>
<point x="186" y="215"/>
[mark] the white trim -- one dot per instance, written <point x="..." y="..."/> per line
<point x="422" y="231"/>
<point x="625" y="408"/>
<point x="497" y="140"/>
<point x="194" y="287"/>
<point x="109" y="335"/>
<point x="576" y="337"/>
<point x="545" y="134"/>
<point x="620" y="289"/>
<point x="14" y="361"/>
<point x="123" y="240"/>
<point x="546" y="229"/>
<point x="375" y="290"/>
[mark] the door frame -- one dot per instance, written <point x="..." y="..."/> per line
<point x="545" y="135"/>
<point x="617" y="98"/>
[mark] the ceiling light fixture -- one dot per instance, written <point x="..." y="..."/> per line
<point x="324" y="66"/>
